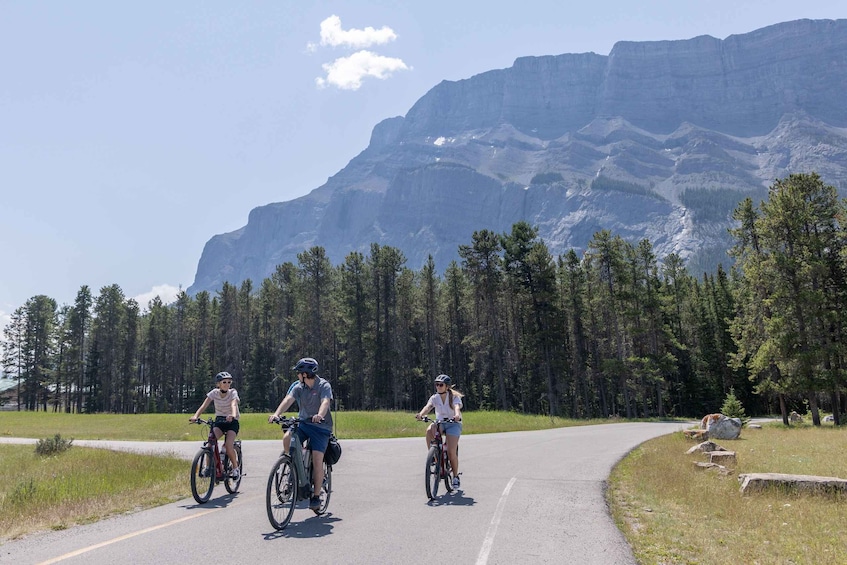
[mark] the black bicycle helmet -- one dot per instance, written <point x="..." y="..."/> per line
<point x="221" y="376"/>
<point x="306" y="365"/>
<point x="444" y="379"/>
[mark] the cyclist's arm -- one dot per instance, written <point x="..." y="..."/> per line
<point x="283" y="406"/>
<point x="457" y="411"/>
<point x="233" y="405"/>
<point x="425" y="410"/>
<point x="200" y="410"/>
<point x="322" y="411"/>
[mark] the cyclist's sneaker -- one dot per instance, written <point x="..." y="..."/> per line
<point x="315" y="504"/>
<point x="235" y="473"/>
<point x="456" y="482"/>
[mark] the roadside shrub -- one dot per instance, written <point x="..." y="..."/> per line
<point x="732" y="407"/>
<point x="52" y="446"/>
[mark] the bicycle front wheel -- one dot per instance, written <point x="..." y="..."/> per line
<point x="230" y="482"/>
<point x="202" y="476"/>
<point x="433" y="472"/>
<point x="281" y="495"/>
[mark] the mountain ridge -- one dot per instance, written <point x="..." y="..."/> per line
<point x="627" y="134"/>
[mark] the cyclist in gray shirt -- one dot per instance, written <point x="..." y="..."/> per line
<point x="313" y="395"/>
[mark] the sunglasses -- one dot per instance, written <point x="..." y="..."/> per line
<point x="226" y="382"/>
<point x="440" y="384"/>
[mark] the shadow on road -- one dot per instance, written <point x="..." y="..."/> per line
<point x="314" y="527"/>
<point x="455" y="498"/>
<point x="219" y="502"/>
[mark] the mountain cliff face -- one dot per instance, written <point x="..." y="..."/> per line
<point x="657" y="140"/>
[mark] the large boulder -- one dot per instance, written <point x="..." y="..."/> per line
<point x="725" y="428"/>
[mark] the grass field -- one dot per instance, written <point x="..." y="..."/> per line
<point x="175" y="427"/>
<point x="672" y="512"/>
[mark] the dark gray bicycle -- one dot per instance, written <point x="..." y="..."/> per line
<point x="290" y="480"/>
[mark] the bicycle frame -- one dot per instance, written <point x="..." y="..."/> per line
<point x="212" y="444"/>
<point x="303" y="464"/>
<point x="438" y="442"/>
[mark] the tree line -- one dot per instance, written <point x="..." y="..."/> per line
<point x="613" y="333"/>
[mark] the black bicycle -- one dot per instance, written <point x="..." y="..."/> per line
<point x="290" y="480"/>
<point x="437" y="463"/>
<point x="208" y="468"/>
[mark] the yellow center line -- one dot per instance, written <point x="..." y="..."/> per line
<point x="127" y="536"/>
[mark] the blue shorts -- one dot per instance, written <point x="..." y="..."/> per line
<point x="452" y="428"/>
<point x="318" y="435"/>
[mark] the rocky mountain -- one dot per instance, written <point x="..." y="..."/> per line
<point x="658" y="139"/>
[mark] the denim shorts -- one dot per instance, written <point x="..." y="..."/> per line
<point x="318" y="436"/>
<point x="452" y="428"/>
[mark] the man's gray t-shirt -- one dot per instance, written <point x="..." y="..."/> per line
<point x="309" y="400"/>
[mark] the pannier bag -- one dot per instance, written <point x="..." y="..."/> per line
<point x="333" y="451"/>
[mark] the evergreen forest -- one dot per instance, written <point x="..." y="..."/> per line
<point x="616" y="332"/>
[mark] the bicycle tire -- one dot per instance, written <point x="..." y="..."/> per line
<point x="230" y="483"/>
<point x="432" y="473"/>
<point x="326" y="489"/>
<point x="202" y="476"/>
<point x="281" y="495"/>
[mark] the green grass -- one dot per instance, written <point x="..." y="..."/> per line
<point x="175" y="427"/>
<point x="672" y="512"/>
<point x="81" y="485"/>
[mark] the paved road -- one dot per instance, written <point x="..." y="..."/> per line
<point x="528" y="497"/>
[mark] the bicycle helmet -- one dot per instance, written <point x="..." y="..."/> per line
<point x="444" y="379"/>
<point x="221" y="376"/>
<point x="306" y="365"/>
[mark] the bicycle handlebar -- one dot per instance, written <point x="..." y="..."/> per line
<point x="202" y="421"/>
<point x="286" y="423"/>
<point x="443" y="421"/>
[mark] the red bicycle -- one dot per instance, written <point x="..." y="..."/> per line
<point x="437" y="463"/>
<point x="208" y="468"/>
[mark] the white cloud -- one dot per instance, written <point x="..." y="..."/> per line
<point x="165" y="292"/>
<point x="333" y="35"/>
<point x="347" y="72"/>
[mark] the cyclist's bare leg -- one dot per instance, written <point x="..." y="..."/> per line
<point x="286" y="441"/>
<point x="430" y="434"/>
<point x="317" y="472"/>
<point x="453" y="453"/>
<point x="229" y="444"/>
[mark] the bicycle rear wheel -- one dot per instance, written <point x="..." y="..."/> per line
<point x="432" y="473"/>
<point x="231" y="483"/>
<point x="281" y="496"/>
<point x="326" y="489"/>
<point x="202" y="476"/>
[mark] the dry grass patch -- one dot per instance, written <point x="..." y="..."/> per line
<point x="81" y="485"/>
<point x="672" y="512"/>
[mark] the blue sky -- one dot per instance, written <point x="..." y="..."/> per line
<point x="131" y="133"/>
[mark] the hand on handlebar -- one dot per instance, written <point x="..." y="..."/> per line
<point x="273" y="419"/>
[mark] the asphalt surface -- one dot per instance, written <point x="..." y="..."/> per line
<point x="526" y="497"/>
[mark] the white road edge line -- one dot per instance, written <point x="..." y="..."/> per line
<point x="482" y="558"/>
<point x="127" y="536"/>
